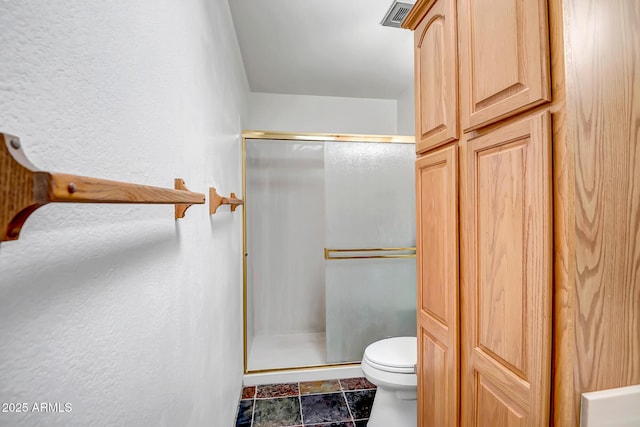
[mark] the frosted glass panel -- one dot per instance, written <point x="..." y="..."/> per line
<point x="370" y="203"/>
<point x="285" y="237"/>
<point x="370" y="200"/>
<point x="368" y="300"/>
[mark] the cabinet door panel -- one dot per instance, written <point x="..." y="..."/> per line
<point x="498" y="409"/>
<point x="504" y="58"/>
<point x="437" y="270"/>
<point x="436" y="77"/>
<point x="434" y="379"/>
<point x="506" y="275"/>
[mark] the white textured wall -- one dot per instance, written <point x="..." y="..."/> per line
<point x="407" y="112"/>
<point x="131" y="317"/>
<point x="303" y="113"/>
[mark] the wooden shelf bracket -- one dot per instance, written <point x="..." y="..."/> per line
<point x="215" y="200"/>
<point x="24" y="188"/>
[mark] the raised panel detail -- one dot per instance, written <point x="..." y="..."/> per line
<point x="501" y="228"/>
<point x="432" y="74"/>
<point x="496" y="408"/>
<point x="436" y="77"/>
<point x="434" y="381"/>
<point x="433" y="274"/>
<point x="506" y="274"/>
<point x="438" y="293"/>
<point x="493" y="45"/>
<point x="504" y="59"/>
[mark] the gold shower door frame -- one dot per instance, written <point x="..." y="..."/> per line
<point x="301" y="137"/>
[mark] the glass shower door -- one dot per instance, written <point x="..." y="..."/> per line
<point x="370" y="204"/>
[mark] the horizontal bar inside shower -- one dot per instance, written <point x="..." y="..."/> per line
<point x="313" y="137"/>
<point x="369" y="253"/>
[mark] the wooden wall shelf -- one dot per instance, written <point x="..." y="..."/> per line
<point x="216" y="200"/>
<point x="24" y="188"/>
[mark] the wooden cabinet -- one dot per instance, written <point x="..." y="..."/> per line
<point x="504" y="58"/>
<point x="484" y="290"/>
<point x="506" y="275"/>
<point x="548" y="267"/>
<point x="437" y="76"/>
<point x="437" y="269"/>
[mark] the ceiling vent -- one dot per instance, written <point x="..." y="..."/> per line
<point x="396" y="13"/>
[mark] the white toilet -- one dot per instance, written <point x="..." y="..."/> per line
<point x="389" y="364"/>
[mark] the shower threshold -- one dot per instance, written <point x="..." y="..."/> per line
<point x="287" y="351"/>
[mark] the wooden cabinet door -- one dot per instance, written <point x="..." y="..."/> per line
<point x="436" y="77"/>
<point x="506" y="280"/>
<point x="437" y="272"/>
<point x="504" y="58"/>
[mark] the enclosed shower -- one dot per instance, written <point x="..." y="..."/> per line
<point x="329" y="241"/>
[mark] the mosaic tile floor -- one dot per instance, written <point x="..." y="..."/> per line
<point x="332" y="403"/>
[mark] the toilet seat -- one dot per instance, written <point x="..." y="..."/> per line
<point x="389" y="365"/>
<point x="390" y="369"/>
<point x="396" y="355"/>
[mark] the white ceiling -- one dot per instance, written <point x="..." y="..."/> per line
<point x="323" y="47"/>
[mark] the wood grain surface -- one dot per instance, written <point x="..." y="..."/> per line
<point x="504" y="59"/>
<point x="603" y="119"/>
<point x="565" y="407"/>
<point x="416" y="13"/>
<point x="20" y="188"/>
<point x="81" y="189"/>
<point x="438" y="296"/>
<point x="436" y="77"/>
<point x="506" y="278"/>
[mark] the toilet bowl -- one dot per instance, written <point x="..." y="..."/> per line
<point x="389" y="364"/>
